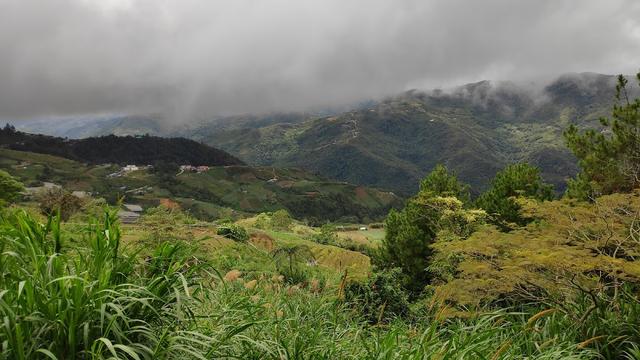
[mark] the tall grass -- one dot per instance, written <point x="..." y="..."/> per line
<point x="93" y="302"/>
<point x="100" y="301"/>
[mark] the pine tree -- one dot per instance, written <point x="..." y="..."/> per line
<point x="609" y="158"/>
<point x="515" y="180"/>
<point x="442" y="183"/>
<point x="411" y="231"/>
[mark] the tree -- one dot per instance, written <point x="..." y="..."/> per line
<point x="515" y="180"/>
<point x="10" y="188"/>
<point x="442" y="183"/>
<point x="411" y="231"/>
<point x="287" y="261"/>
<point x="281" y="220"/>
<point x="596" y="244"/>
<point x="56" y="200"/>
<point x="609" y="158"/>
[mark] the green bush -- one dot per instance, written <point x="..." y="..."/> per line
<point x="57" y="200"/>
<point x="381" y="299"/>
<point x="326" y="236"/>
<point x="281" y="220"/>
<point x="234" y="232"/>
<point x="10" y="188"/>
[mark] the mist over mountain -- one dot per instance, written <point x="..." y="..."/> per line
<point x="475" y="129"/>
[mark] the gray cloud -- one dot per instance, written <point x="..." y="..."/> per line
<point x="195" y="58"/>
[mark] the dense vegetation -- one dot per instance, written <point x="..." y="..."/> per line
<point x="221" y="192"/>
<point x="512" y="274"/>
<point x="476" y="130"/>
<point x="140" y="150"/>
<point x="609" y="158"/>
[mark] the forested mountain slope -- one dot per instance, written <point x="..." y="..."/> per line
<point x="475" y="129"/>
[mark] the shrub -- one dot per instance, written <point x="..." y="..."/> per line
<point x="381" y="298"/>
<point x="58" y="200"/>
<point x="326" y="236"/>
<point x="262" y="221"/>
<point x="10" y="188"/>
<point x="281" y="220"/>
<point x="234" y="232"/>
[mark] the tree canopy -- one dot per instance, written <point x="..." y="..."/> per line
<point x="411" y="231"/>
<point x="609" y="157"/>
<point x="515" y="180"/>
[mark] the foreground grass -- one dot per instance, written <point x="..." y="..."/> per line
<point x="98" y="301"/>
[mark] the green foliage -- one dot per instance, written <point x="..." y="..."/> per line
<point x="411" y="231"/>
<point x="381" y="299"/>
<point x="234" y="232"/>
<point x="516" y="180"/>
<point x="290" y="260"/>
<point x="609" y="158"/>
<point x="593" y="245"/>
<point x="262" y="221"/>
<point x="326" y="236"/>
<point x="281" y="220"/>
<point x="161" y="216"/>
<point x="57" y="200"/>
<point x="10" y="188"/>
<point x="440" y="182"/>
<point x="97" y="304"/>
<point x="164" y="308"/>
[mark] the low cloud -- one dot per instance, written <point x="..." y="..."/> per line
<point x="191" y="59"/>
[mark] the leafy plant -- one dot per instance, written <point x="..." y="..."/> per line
<point x="326" y="236"/>
<point x="281" y="220"/>
<point x="289" y="260"/>
<point x="58" y="200"/>
<point x="10" y="188"/>
<point x="96" y="304"/>
<point x="234" y="232"/>
<point x="411" y="231"/>
<point x="381" y="299"/>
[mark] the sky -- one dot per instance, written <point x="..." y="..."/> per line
<point x="191" y="59"/>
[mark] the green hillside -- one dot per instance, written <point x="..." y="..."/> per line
<point x="227" y="191"/>
<point x="475" y="129"/>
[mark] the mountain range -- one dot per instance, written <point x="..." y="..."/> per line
<point x="475" y="129"/>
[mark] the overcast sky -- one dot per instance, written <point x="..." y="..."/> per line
<point x="194" y="58"/>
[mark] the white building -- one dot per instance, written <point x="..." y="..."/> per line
<point x="131" y="168"/>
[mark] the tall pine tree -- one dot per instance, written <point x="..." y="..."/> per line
<point x="609" y="157"/>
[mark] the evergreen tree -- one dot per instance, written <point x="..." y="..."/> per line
<point x="515" y="180"/>
<point x="609" y="158"/>
<point x="440" y="182"/>
<point x="411" y="231"/>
